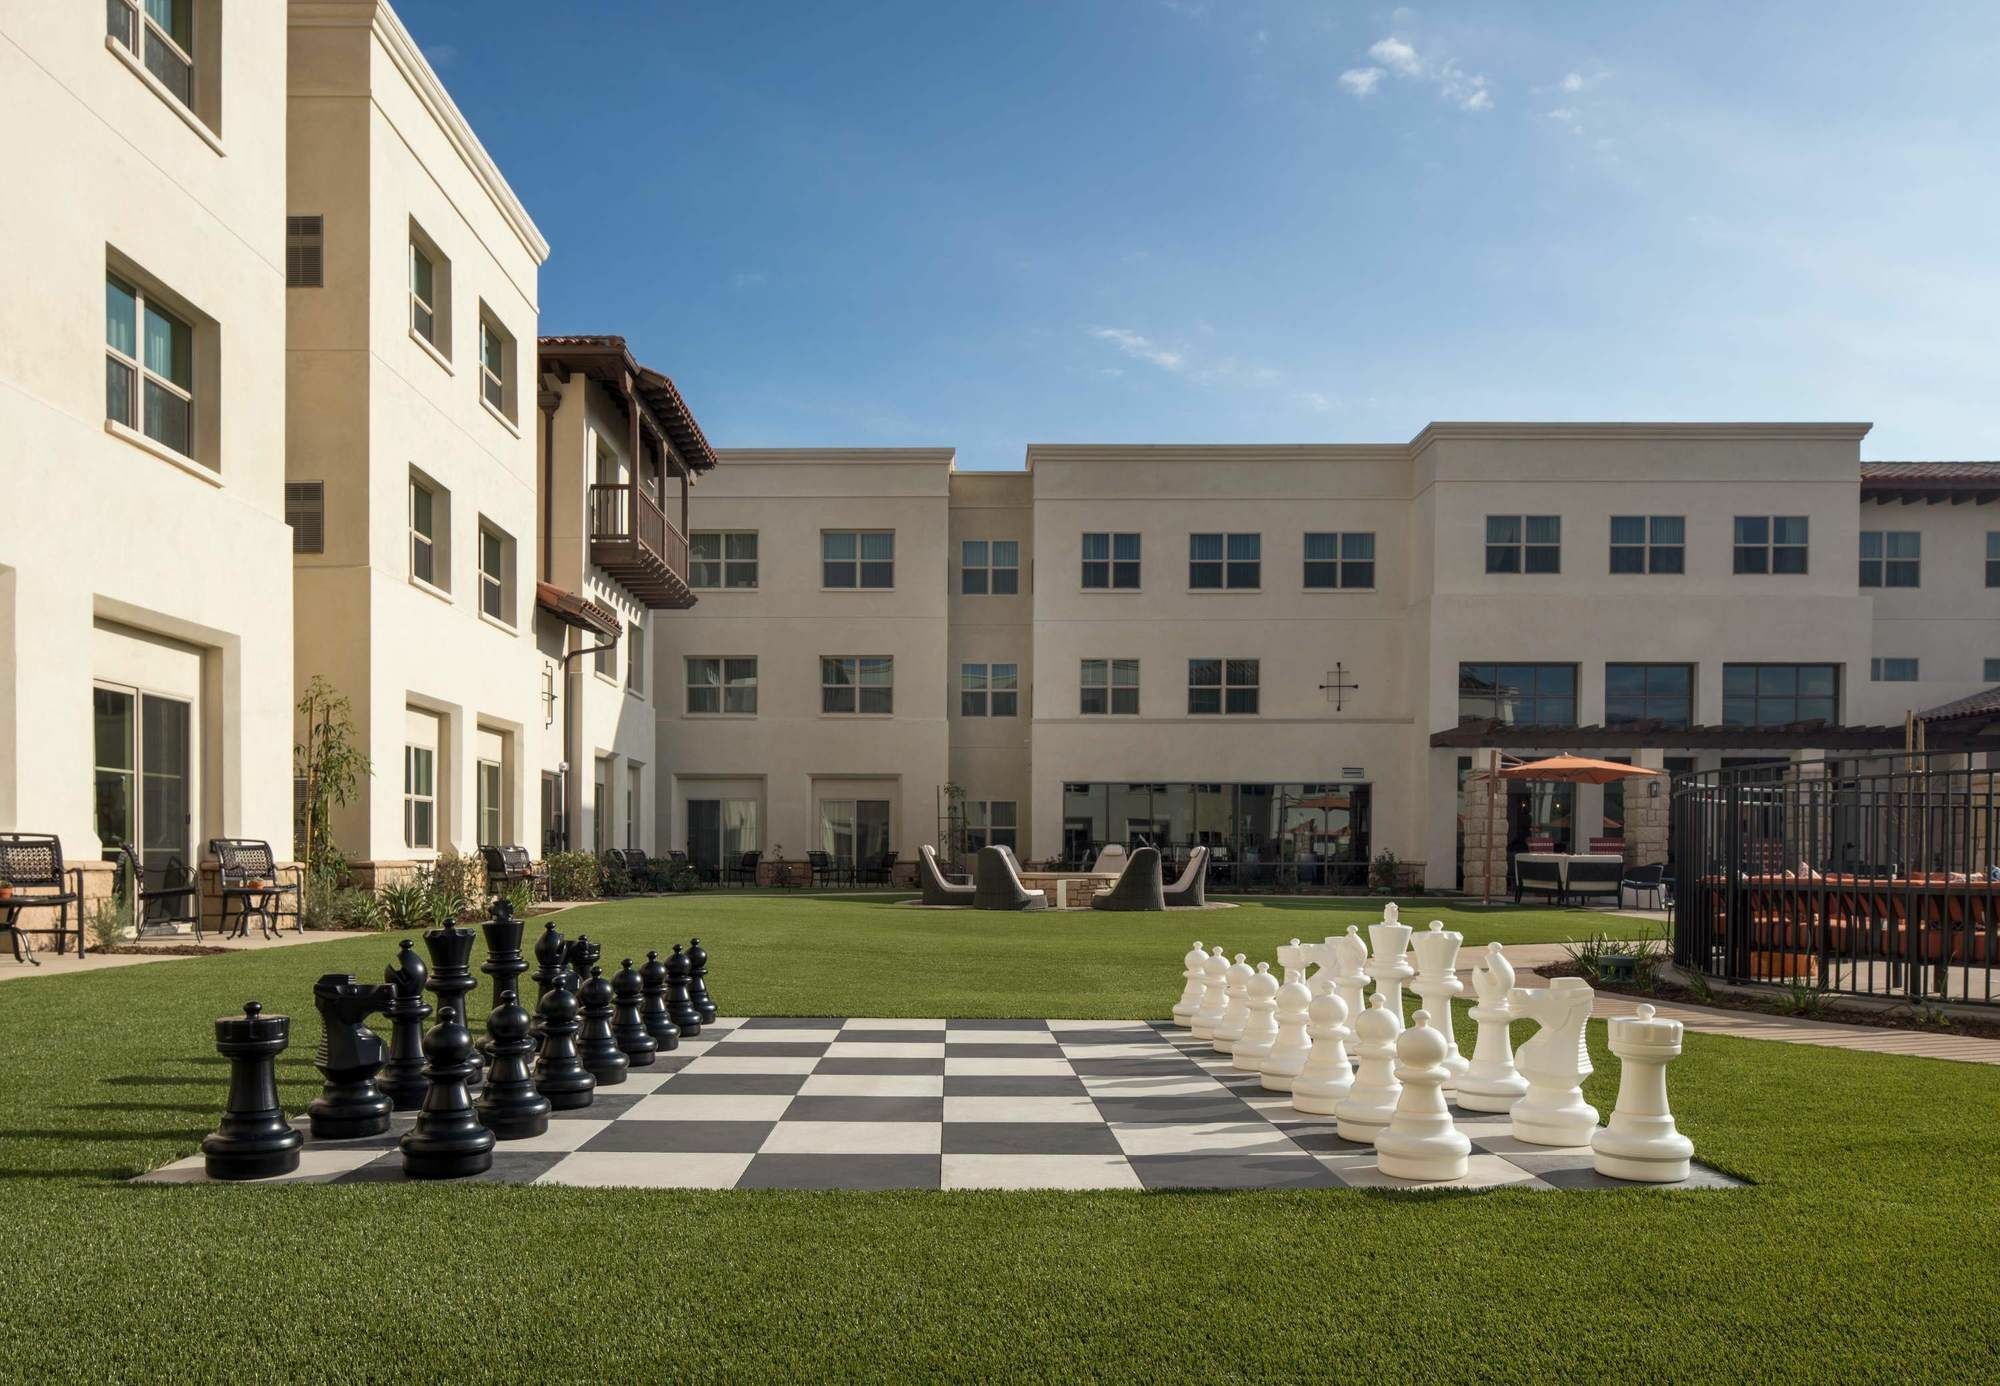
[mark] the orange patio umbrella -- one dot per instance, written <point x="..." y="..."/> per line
<point x="1576" y="770"/>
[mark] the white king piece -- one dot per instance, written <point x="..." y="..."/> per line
<point x="1389" y="964"/>
<point x="1641" y="1142"/>
<point x="1437" y="983"/>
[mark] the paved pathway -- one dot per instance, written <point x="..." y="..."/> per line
<point x="56" y="964"/>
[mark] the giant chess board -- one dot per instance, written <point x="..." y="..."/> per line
<point x="955" y="1104"/>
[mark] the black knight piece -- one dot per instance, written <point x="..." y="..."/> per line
<point x="628" y="1026"/>
<point x="653" y="1007"/>
<point x="348" y="1058"/>
<point x="548" y="976"/>
<point x="254" y="1140"/>
<point x="680" y="1005"/>
<point x="447" y="1142"/>
<point x="509" y="1106"/>
<point x="698" y="981"/>
<point x="504" y="960"/>
<point x="450" y="948"/>
<point x="559" y="1074"/>
<point x="403" y="1077"/>
<point x="596" y="1046"/>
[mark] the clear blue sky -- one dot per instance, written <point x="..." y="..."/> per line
<point x="939" y="222"/>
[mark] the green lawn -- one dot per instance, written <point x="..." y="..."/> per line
<point x="1870" y="1248"/>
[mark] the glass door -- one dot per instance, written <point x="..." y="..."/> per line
<point x="144" y="779"/>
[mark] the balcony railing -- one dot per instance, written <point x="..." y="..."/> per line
<point x="632" y="539"/>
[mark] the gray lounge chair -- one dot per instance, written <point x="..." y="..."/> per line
<point x="1191" y="890"/>
<point x="937" y="890"/>
<point x="1138" y="886"/>
<point x="997" y="883"/>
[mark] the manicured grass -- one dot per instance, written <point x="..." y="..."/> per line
<point x="1868" y="1250"/>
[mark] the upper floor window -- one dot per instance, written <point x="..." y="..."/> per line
<point x="1989" y="670"/>
<point x="1524" y="543"/>
<point x="1528" y="695"/>
<point x="1890" y="557"/>
<point x="1892" y="670"/>
<point x="426" y="534"/>
<point x="989" y="690"/>
<point x="605" y="660"/>
<point x="1110" y="686"/>
<point x="857" y="684"/>
<point x="1339" y="561"/>
<point x="1662" y="693"/>
<point x="148" y="367"/>
<point x="160" y="35"/>
<point x="1111" y="561"/>
<point x="489" y="805"/>
<point x="635" y="658"/>
<point x="722" y="558"/>
<point x="1771" y="543"/>
<point x="1776" y="695"/>
<point x="496" y="573"/>
<point x="496" y="364"/>
<point x="1222" y="686"/>
<point x="990" y="566"/>
<point x="722" y="685"/>
<point x="1993" y="558"/>
<point x="1225" y="560"/>
<point x="1648" y="544"/>
<point x="419" y="796"/>
<point x="857" y="558"/>
<point x="428" y="299"/>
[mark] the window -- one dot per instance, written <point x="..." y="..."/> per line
<point x="423" y="533"/>
<point x="989" y="566"/>
<point x="1110" y="686"/>
<point x="854" y="830"/>
<point x="719" y="685"/>
<point x="1524" y="543"/>
<point x="1225" y="561"/>
<point x="1776" y="695"/>
<point x="490" y="828"/>
<point x="496" y="574"/>
<point x="857" y="558"/>
<point x="864" y="684"/>
<point x="423" y="294"/>
<point x="496" y="364"/>
<point x="419" y="797"/>
<point x="305" y="252"/>
<point x="1529" y="695"/>
<point x="1222" y="686"/>
<point x="722" y="559"/>
<point x="1890" y="557"/>
<point x="1339" y="561"/>
<point x="1111" y="561"/>
<point x="1662" y="693"/>
<point x="989" y="690"/>
<point x="1648" y="544"/>
<point x="1990" y="671"/>
<point x="1770" y="543"/>
<point x="719" y="832"/>
<point x="161" y="37"/>
<point x="600" y="807"/>
<point x="1993" y="558"/>
<point x="605" y="661"/>
<point x="635" y="658"/>
<point x="1892" y="670"/>
<point x="635" y="774"/>
<point x="990" y="823"/>
<point x="305" y="512"/>
<point x="149" y="367"/>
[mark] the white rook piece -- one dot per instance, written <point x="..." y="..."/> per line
<point x="1214" y="995"/>
<point x="1389" y="964"/>
<point x="1289" y="1053"/>
<point x="1555" y="1064"/>
<point x="1642" y="1142"/>
<point x="1420" y="1142"/>
<point x="1260" y="1026"/>
<point x="1192" y="987"/>
<point x="1372" y="1100"/>
<point x="1348" y="964"/>
<point x="1437" y="983"/>
<point x="1292" y="957"/>
<point x="1237" y="1014"/>
<point x="1327" y="1076"/>
<point x="1491" y="1083"/>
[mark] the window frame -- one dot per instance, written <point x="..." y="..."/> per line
<point x="1894" y="669"/>
<point x="1225" y="685"/>
<point x="1648" y="553"/>
<point x="497" y="381"/>
<point x="415" y="798"/>
<point x="419" y="304"/>
<point x="1757" y="696"/>
<point x="1340" y="567"/>
<point x="1880" y="569"/>
<point x="496" y="807"/>
<point x="635" y="659"/>
<point x="139" y="375"/>
<point x="858" y="561"/>
<point x="1768" y="548"/>
<point x="980" y="693"/>
<point x="427" y="540"/>
<point x="725" y="566"/>
<point x="1112" y="565"/>
<point x="1647" y="697"/>
<point x="141" y="30"/>
<point x="854" y="666"/>
<point x="494" y="585"/>
<point x="1239" y="566"/>
<point x="983" y="578"/>
<point x="982" y="829"/>
<point x="1993" y="558"/>
<point x="723" y="687"/>
<point x="1522" y="546"/>
<point x="1534" y="697"/>
<point x="1109" y="668"/>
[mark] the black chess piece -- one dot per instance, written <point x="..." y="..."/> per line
<point x="559" y="1073"/>
<point x="628" y="1026"/>
<point x="596" y="1046"/>
<point x="680" y="1005"/>
<point x="348" y="1058"/>
<point x="548" y="976"/>
<point x="403" y="1077"/>
<point x="653" y="1005"/>
<point x="504" y="960"/>
<point x="578" y="958"/>
<point x="254" y="1141"/>
<point x="450" y="948"/>
<point x="447" y="1142"/>
<point x="508" y="1105"/>
<point x="698" y="981"/>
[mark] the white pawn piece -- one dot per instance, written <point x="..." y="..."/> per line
<point x="1293" y="1046"/>
<point x="1349" y="958"/>
<point x="1214" y="995"/>
<point x="1420" y="1142"/>
<point x="1555" y="1063"/>
<point x="1642" y="1142"/>
<point x="1369" y="1104"/>
<point x="1237" y="1014"/>
<point x="1327" y="1076"/>
<point x="1260" y="1026"/>
<point x="1437" y="983"/>
<point x="1491" y="1083"/>
<point x="1389" y="964"/>
<point x="1191" y="986"/>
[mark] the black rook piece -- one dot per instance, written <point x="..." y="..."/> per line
<point x="504" y="960"/>
<point x="680" y="1005"/>
<point x="349" y="1056"/>
<point x="559" y="1074"/>
<point x="508" y="1105"/>
<point x="447" y="1142"/>
<point x="403" y="1078"/>
<point x="451" y="978"/>
<point x="548" y="976"/>
<point x="628" y="1026"/>
<point x="597" y="1047"/>
<point x="653" y="1008"/>
<point x="254" y="1140"/>
<point x="698" y="981"/>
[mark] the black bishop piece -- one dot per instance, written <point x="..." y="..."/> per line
<point x="596" y="1046"/>
<point x="254" y="1140"/>
<point x="698" y="981"/>
<point x="628" y="1026"/>
<point x="559" y="1074"/>
<point x="403" y="1077"/>
<point x="680" y="1005"/>
<point x="349" y="1056"/>
<point x="508" y="1105"/>
<point x="653" y="1005"/>
<point x="447" y="1142"/>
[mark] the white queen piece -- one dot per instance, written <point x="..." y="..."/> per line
<point x="1437" y="983"/>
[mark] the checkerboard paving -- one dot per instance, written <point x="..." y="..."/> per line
<point x="786" y="1103"/>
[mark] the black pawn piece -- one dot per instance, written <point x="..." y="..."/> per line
<point x="349" y="1056"/>
<point x="548" y="975"/>
<point x="597" y="1047"/>
<point x="450" y="948"/>
<point x="403" y="1077"/>
<point x="680" y="1005"/>
<point x="509" y="1106"/>
<point x="559" y="1074"/>
<point x="447" y="1142"/>
<point x="698" y="981"/>
<point x="628" y="1026"/>
<point x="254" y="1140"/>
<point x="504" y="960"/>
<point x="653" y="1007"/>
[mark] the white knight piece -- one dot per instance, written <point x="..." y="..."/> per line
<point x="1642" y="1142"/>
<point x="1437" y="983"/>
<point x="1192" y="988"/>
<point x="1420" y="1142"/>
<point x="1555" y="1063"/>
<point x="1347" y="963"/>
<point x="1491" y="1083"/>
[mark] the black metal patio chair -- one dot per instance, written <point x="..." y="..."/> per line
<point x="173" y="898"/>
<point x="1646" y="882"/>
<point x="744" y="869"/>
<point x="32" y="877"/>
<point x="247" y="872"/>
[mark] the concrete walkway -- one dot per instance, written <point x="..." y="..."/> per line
<point x="56" y="964"/>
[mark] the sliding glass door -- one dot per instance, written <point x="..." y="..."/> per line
<point x="719" y="832"/>
<point x="854" y="831"/>
<point x="144" y="777"/>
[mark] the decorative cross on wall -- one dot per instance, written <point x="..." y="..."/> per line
<point x="1338" y="686"/>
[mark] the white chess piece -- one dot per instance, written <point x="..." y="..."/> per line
<point x="1389" y="964"/>
<point x="1237" y="1013"/>
<point x="1214" y="995"/>
<point x="1292" y="1047"/>
<point x="1420" y="1142"/>
<point x="1327" y="1076"/>
<point x="1192" y="988"/>
<point x="1260" y="1025"/>
<point x="1437" y="983"/>
<point x="1555" y="1063"/>
<point x="1372" y="1100"/>
<point x="1642" y="1142"/>
<point x="1491" y="1083"/>
<point x="1347" y="963"/>
<point x="1292" y="957"/>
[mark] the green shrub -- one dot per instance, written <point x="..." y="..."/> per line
<point x="455" y="887"/>
<point x="518" y="896"/>
<point x="351" y="909"/>
<point x="573" y="875"/>
<point x="1801" y="999"/>
<point x="671" y="876"/>
<point x="1384" y="870"/>
<point x="1647" y="951"/>
<point x="107" y="924"/>
<point x="406" y="907"/>
<point x="613" y="879"/>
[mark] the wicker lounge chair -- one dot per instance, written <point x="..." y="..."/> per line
<point x="997" y="883"/>
<point x="1138" y="886"/>
<point x="1191" y="890"/>
<point x="937" y="890"/>
<point x="1110" y="861"/>
<point x="1541" y="877"/>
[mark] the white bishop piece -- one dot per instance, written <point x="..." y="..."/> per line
<point x="1370" y="1103"/>
<point x="1348" y="957"/>
<point x="1327" y="1076"/>
<point x="1289" y="1053"/>
<point x="1260" y="1027"/>
<point x="1491" y="1083"/>
<point x="1420" y="1142"/>
<point x="1555" y="1064"/>
<point x="1214" y="995"/>
<point x="1390" y="964"/>
<point x="1642" y="1142"/>
<point x="1192" y="987"/>
<point x="1237" y="1014"/>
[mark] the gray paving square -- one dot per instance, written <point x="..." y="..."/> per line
<point x="674" y="1136"/>
<point x="865" y="1109"/>
<point x="1233" y="1172"/>
<point x="842" y="1172"/>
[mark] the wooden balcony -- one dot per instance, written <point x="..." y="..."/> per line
<point x="632" y="539"/>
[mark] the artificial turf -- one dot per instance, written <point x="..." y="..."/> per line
<point x="1869" y="1248"/>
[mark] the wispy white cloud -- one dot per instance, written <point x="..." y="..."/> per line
<point x="1204" y="364"/>
<point x="1316" y="400"/>
<point x="1396" y="55"/>
<point x="1361" y="82"/>
<point x="1572" y="81"/>
<point x="1142" y="347"/>
<point x="1469" y="91"/>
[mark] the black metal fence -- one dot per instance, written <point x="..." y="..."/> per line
<point x="1871" y="877"/>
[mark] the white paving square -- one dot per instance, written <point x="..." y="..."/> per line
<point x="648" y="1170"/>
<point x="1006" y="1068"/>
<point x="755" y="1036"/>
<point x="872" y="1085"/>
<point x="1120" y="1085"/>
<point x="885" y="1049"/>
<point x="1038" y="1172"/>
<point x="1118" y="1051"/>
<point x="568" y="1134"/>
<point x="1028" y="1038"/>
<point x="1481" y="1172"/>
<point x="1201" y="1138"/>
<point x="922" y="1025"/>
<point x="1135" y="1026"/>
<point x="1020" y="1109"/>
